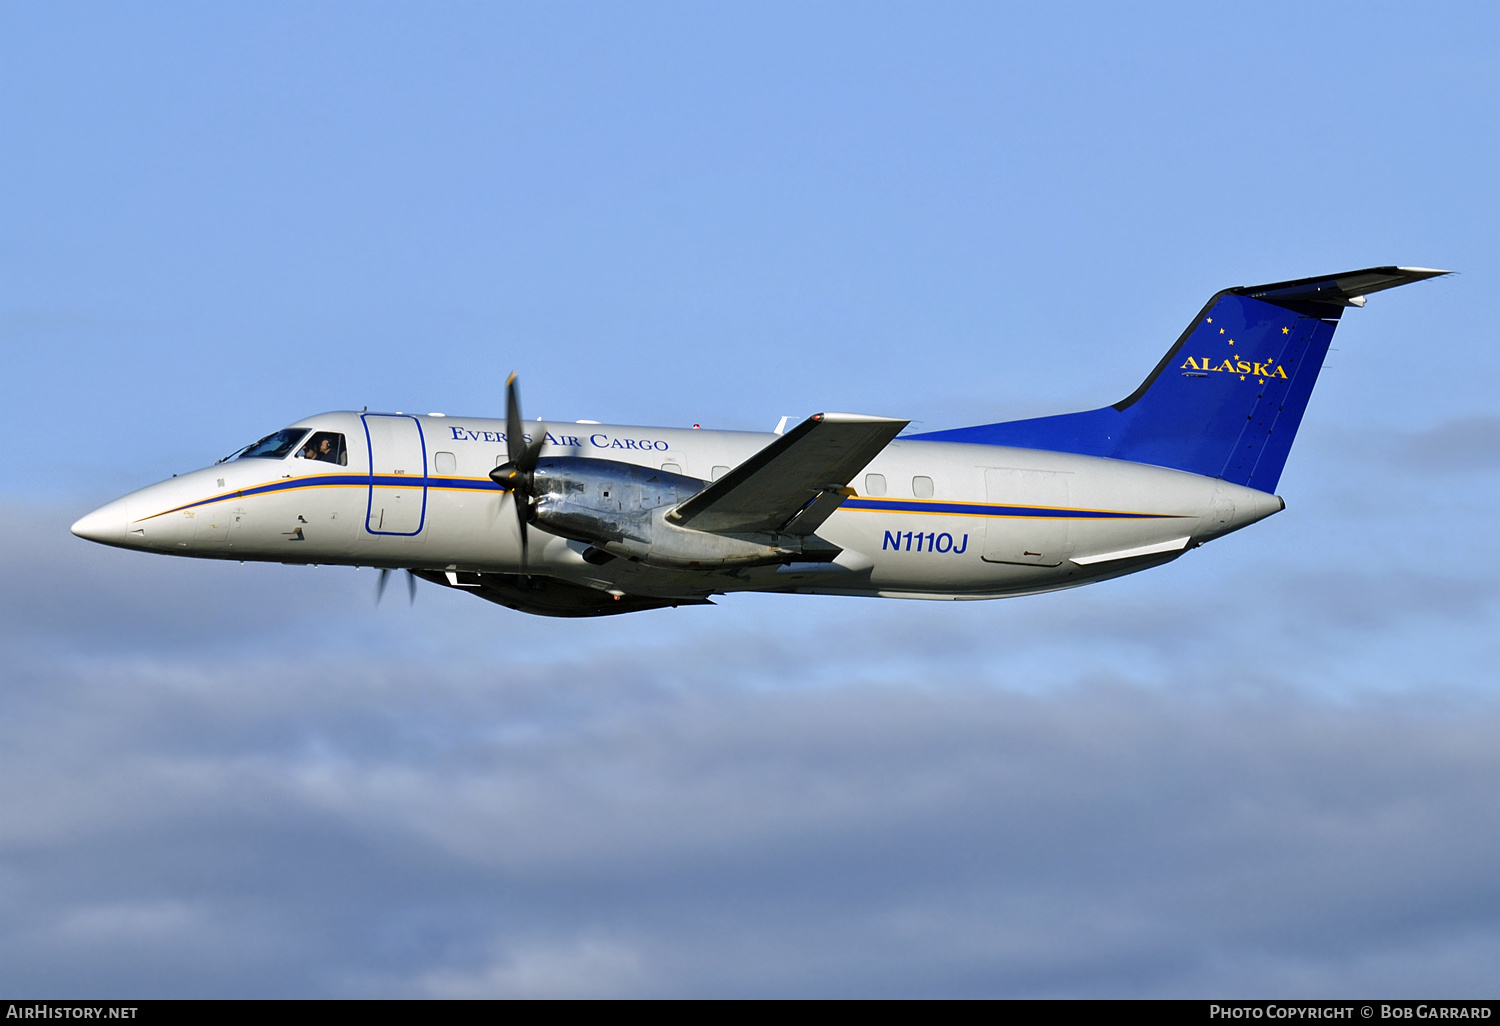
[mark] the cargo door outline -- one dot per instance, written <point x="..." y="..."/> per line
<point x="1039" y="539"/>
<point x="392" y="481"/>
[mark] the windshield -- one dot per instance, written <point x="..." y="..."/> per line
<point x="271" y="447"/>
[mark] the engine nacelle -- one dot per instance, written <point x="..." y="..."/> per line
<point x="620" y="509"/>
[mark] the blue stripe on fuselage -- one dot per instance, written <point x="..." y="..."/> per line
<point x="990" y="509"/>
<point x="865" y="504"/>
<point x="482" y="484"/>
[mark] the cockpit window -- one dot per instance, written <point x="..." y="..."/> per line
<point x="272" y="447"/>
<point x="327" y="446"/>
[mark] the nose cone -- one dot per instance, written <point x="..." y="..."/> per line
<point x="106" y="525"/>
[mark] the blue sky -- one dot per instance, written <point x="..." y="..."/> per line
<point x="1265" y="769"/>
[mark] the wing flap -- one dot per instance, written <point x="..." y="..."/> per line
<point x="796" y="471"/>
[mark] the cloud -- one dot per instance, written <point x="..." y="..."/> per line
<point x="567" y="829"/>
<point x="1230" y="776"/>
<point x="586" y="967"/>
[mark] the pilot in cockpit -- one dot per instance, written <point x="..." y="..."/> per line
<point x="322" y="449"/>
<point x="324" y="446"/>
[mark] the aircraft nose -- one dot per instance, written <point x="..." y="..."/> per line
<point x="105" y="525"/>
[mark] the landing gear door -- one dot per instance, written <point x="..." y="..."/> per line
<point x="398" y="474"/>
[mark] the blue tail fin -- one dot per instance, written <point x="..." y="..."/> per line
<point x="1227" y="398"/>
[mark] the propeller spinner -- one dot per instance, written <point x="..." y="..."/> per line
<point x="515" y="476"/>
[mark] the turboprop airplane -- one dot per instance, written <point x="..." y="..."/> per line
<point x="587" y="519"/>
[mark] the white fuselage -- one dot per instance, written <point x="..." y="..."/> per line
<point x="927" y="520"/>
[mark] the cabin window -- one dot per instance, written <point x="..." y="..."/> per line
<point x="719" y="472"/>
<point x="444" y="463"/>
<point x="272" y="447"/>
<point x="921" y="487"/>
<point x="672" y="468"/>
<point x="325" y="447"/>
<point x="874" y="484"/>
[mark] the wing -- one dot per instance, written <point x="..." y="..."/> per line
<point x="796" y="482"/>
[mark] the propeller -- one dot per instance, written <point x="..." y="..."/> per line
<point x="411" y="585"/>
<point x="515" y="476"/>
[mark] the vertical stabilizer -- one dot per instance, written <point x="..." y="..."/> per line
<point x="1227" y="398"/>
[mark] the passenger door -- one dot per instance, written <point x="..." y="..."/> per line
<point x="398" y="474"/>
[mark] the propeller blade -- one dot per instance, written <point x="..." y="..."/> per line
<point x="520" y="501"/>
<point x="515" y="437"/>
<point x="522" y="458"/>
<point x="380" y="584"/>
<point x="530" y="457"/>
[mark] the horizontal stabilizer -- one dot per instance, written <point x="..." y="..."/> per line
<point x="806" y="467"/>
<point x="1347" y="289"/>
